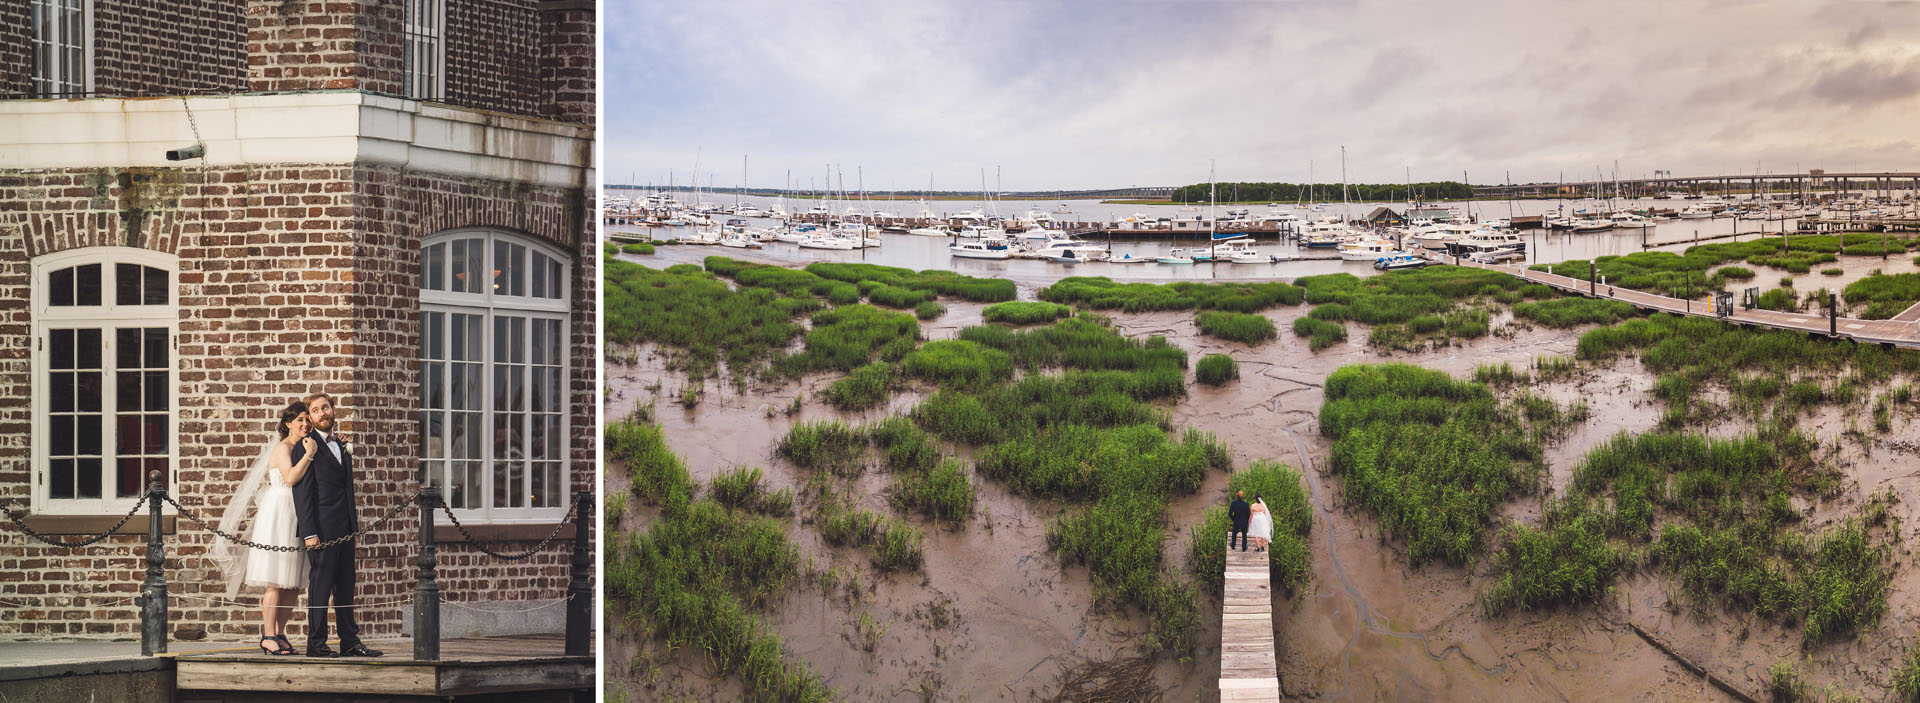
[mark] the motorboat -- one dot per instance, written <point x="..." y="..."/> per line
<point x="1694" y="212"/>
<point x="827" y="240"/>
<point x="1628" y="220"/>
<point x="1239" y="251"/>
<point x="1082" y="251"/>
<point x="1326" y="233"/>
<point x="931" y="231"/>
<point x="1128" y="258"/>
<point x="739" y="240"/>
<point x="1399" y="262"/>
<point x="980" y="250"/>
<point x="1582" y="225"/>
<point x="1368" y="249"/>
<point x="1487" y="240"/>
<point x="750" y="211"/>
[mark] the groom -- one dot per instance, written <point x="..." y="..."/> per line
<point x="323" y="508"/>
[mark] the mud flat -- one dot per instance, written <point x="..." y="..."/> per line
<point x="994" y="616"/>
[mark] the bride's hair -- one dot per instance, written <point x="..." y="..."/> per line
<point x="287" y="416"/>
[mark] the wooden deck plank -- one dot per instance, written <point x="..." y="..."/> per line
<point x="1247" y="667"/>
<point x="467" y="666"/>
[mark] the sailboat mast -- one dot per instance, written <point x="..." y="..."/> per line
<point x="1346" y="215"/>
<point x="1212" y="197"/>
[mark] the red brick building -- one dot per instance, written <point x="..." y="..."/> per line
<point x="391" y="203"/>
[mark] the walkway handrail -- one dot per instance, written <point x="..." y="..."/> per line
<point x="426" y="599"/>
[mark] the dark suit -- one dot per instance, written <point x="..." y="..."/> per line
<point x="1241" y="513"/>
<point x="323" y="507"/>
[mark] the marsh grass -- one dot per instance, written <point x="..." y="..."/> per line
<point x="895" y="545"/>
<point x="867" y="387"/>
<point x="929" y="310"/>
<point x="641" y="248"/>
<point x="948" y="283"/>
<point x="1906" y="678"/>
<point x="850" y="336"/>
<point x="1564" y="313"/>
<point x="1100" y="293"/>
<point x="659" y="477"/>
<point x="1216" y="369"/>
<point x="1320" y="333"/>
<point x="1780" y="299"/>
<point x="699" y="315"/>
<point x="1246" y="328"/>
<point x="958" y="363"/>
<point x="829" y="445"/>
<point x="1882" y="296"/>
<point x="744" y="488"/>
<point x="1501" y="374"/>
<point x="698" y="574"/>
<point x="944" y="493"/>
<point x="1025" y="313"/>
<point x="1086" y="342"/>
<point x="1431" y="457"/>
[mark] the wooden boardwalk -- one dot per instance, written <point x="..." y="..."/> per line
<point x="1902" y="331"/>
<point x="1247" y="670"/>
<point x="526" y="667"/>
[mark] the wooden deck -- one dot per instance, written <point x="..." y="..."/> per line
<point x="1246" y="630"/>
<point x="1902" y="331"/>
<point x="527" y="665"/>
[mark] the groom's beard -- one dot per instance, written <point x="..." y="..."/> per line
<point x="324" y="425"/>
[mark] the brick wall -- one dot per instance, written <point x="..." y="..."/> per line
<point x="333" y="45"/>
<point x="492" y="55"/>
<point x="178" y="47"/>
<point x="290" y="278"/>
<point x="16" y="49"/>
<point x="567" y="51"/>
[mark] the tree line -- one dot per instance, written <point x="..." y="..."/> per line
<point x="1325" y="192"/>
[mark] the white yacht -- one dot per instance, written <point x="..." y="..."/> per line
<point x="828" y="240"/>
<point x="980" y="250"/>
<point x="750" y="211"/>
<point x="1628" y="220"/>
<point x="935" y="230"/>
<point x="739" y="240"/>
<point x="1239" y="251"/>
<point x="1370" y="249"/>
<point x="1695" y="211"/>
<point x="1487" y="240"/>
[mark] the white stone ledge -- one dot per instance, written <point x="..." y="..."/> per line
<point x="294" y="128"/>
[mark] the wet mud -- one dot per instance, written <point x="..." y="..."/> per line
<point x="994" y="616"/>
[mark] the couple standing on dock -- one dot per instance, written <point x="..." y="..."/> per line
<point x="304" y="487"/>
<point x="1255" y="520"/>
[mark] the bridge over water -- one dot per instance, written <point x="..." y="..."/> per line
<point x="1802" y="185"/>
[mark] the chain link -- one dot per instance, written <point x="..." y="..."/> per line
<point x="15" y="517"/>
<point x="236" y="539"/>
<point x="482" y="545"/>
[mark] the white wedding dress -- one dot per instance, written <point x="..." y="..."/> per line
<point x="1262" y="524"/>
<point x="273" y="523"/>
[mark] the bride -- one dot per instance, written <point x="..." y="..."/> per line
<point x="281" y="573"/>
<point x="1261" y="528"/>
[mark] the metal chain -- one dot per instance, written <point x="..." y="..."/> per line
<point x="188" y="514"/>
<point x="482" y="545"/>
<point x="15" y="517"/>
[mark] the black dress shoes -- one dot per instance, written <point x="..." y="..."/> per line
<point x="321" y="651"/>
<point x="360" y="650"/>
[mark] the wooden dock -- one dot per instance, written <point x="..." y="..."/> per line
<point x="1247" y="670"/>
<point x="1901" y="331"/>
<point x="523" y="668"/>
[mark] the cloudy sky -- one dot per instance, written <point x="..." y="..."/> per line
<point x="1064" y="94"/>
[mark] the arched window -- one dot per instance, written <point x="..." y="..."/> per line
<point x="493" y="370"/>
<point x="104" y="388"/>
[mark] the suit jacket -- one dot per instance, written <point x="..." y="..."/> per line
<point x="1240" y="512"/>
<point x="323" y="499"/>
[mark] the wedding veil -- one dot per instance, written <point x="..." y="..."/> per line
<point x="231" y="557"/>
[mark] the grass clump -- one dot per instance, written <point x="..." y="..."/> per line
<point x="1320" y="333"/>
<point x="659" y="477"/>
<point x="848" y="337"/>
<point x="642" y="248"/>
<point x="1288" y="555"/>
<point x="958" y="363"/>
<point x="1410" y="301"/>
<point x="698" y="574"/>
<point x="867" y="387"/>
<point x="1501" y="374"/>
<point x="1430" y="456"/>
<point x="1025" y="313"/>
<point x="700" y="316"/>
<point x="929" y="310"/>
<point x="1563" y="313"/>
<point x="1780" y="299"/>
<point x="944" y="493"/>
<point x="1906" y="679"/>
<point x="1883" y="295"/>
<point x="895" y="545"/>
<point x="1216" y="369"/>
<point x="1246" y="328"/>
<point x="895" y="296"/>
<point x="1100" y="293"/>
<point x="1087" y="342"/>
<point x="744" y="488"/>
<point x="948" y="283"/>
<point x="829" y="445"/>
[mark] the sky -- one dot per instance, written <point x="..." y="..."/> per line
<point x="1090" y="94"/>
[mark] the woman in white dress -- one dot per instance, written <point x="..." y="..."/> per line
<point x="1261" y="527"/>
<point x="282" y="573"/>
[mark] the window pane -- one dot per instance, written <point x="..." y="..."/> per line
<point x="126" y="341"/>
<point x="156" y="356"/>
<point x="87" y="391"/>
<point x="61" y="429"/>
<point x="60" y="484"/>
<point x="517" y="271"/>
<point x="433" y="268"/>
<point x="127" y="392"/>
<point x="538" y="263"/>
<point x="156" y="286"/>
<point x="155" y="434"/>
<point x="87" y="478"/>
<point x="553" y="275"/>
<point x="62" y="354"/>
<point x="127" y="480"/>
<point x="433" y="435"/>
<point x="502" y="266"/>
<point x="157" y="391"/>
<point x="60" y="287"/>
<point x="461" y="269"/>
<point x="86" y="284"/>
<point x="517" y="348"/>
<point x="86" y="346"/>
<point x="126" y="284"/>
<point x="89" y="436"/>
<point x="61" y="395"/>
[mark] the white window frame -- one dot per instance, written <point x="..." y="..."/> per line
<point x="486" y="304"/>
<point x="47" y="81"/>
<point x="106" y="317"/>
<point x="424" y="22"/>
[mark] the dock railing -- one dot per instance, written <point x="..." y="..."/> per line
<point x="426" y="595"/>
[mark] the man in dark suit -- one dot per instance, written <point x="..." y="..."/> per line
<point x="1240" y="513"/>
<point x="323" y="509"/>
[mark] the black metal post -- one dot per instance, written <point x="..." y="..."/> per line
<point x="426" y="592"/>
<point x="1833" y="315"/>
<point x="1592" y="274"/>
<point x="153" y="593"/>
<point x="579" y="591"/>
